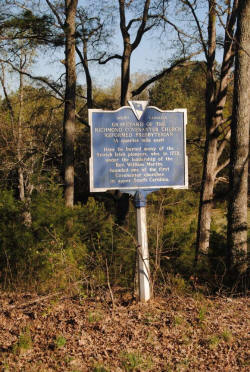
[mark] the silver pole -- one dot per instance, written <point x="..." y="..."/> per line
<point x="143" y="254"/>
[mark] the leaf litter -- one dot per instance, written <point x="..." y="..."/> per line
<point x="175" y="333"/>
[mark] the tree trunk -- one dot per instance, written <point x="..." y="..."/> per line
<point x="125" y="75"/>
<point x="69" y="110"/>
<point x="237" y="206"/>
<point x="210" y="154"/>
<point x="88" y="76"/>
<point x="215" y="103"/>
<point x="89" y="85"/>
<point x="84" y="60"/>
<point x="122" y="205"/>
<point x="20" y="139"/>
<point x="128" y="48"/>
<point x="206" y="197"/>
<point x="20" y="150"/>
<point x="127" y="51"/>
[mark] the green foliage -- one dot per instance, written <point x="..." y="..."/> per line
<point x="63" y="248"/>
<point x="214" y="342"/>
<point x="185" y="88"/>
<point x="33" y="27"/>
<point x="227" y="336"/>
<point x="134" y="361"/>
<point x="80" y="248"/>
<point x="16" y="240"/>
<point x="41" y="150"/>
<point x="212" y="268"/>
<point x="100" y="368"/>
<point x="172" y="222"/>
<point x="24" y="342"/>
<point x="94" y="316"/>
<point x="202" y="314"/>
<point x="60" y="341"/>
<point x="50" y="252"/>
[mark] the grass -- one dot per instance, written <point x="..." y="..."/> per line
<point x="94" y="316"/>
<point x="150" y="318"/>
<point x="100" y="368"/>
<point x="214" y="342"/>
<point x="60" y="341"/>
<point x="134" y="361"/>
<point x="24" y="342"/>
<point x="178" y="320"/>
<point x="227" y="336"/>
<point x="202" y="314"/>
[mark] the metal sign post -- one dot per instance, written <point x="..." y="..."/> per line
<point x="142" y="250"/>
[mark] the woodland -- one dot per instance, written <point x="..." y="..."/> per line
<point x="68" y="256"/>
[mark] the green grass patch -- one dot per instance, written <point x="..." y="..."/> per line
<point x="24" y="342"/>
<point x="135" y="361"/>
<point x="60" y="341"/>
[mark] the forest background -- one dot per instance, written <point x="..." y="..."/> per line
<point x="54" y="234"/>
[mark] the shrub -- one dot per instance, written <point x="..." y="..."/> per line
<point x="63" y="247"/>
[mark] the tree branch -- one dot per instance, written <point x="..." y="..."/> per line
<point x="81" y="120"/>
<point x="178" y="64"/>
<point x="38" y="78"/>
<point x="220" y="167"/>
<point x="133" y="21"/>
<point x="123" y="27"/>
<point x="2" y="80"/>
<point x="187" y="2"/>
<point x="228" y="57"/>
<point x="141" y="29"/>
<point x="115" y="56"/>
<point x="61" y="23"/>
<point x="177" y="29"/>
<point x="223" y="144"/>
<point x="221" y="122"/>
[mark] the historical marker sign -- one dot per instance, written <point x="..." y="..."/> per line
<point x="138" y="148"/>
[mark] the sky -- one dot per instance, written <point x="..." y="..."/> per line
<point x="147" y="58"/>
<point x="150" y="57"/>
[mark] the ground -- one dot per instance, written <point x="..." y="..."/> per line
<point x="181" y="332"/>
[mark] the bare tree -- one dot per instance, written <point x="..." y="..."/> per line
<point x="70" y="98"/>
<point x="23" y="56"/>
<point x="145" y="22"/>
<point x="94" y="26"/>
<point x="237" y="205"/>
<point x="28" y="136"/>
<point x="85" y="35"/>
<point x="20" y="133"/>
<point x="69" y="29"/>
<point x="68" y="39"/>
<point x="217" y="125"/>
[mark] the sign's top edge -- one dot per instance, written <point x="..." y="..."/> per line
<point x="138" y="108"/>
<point x="128" y="107"/>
